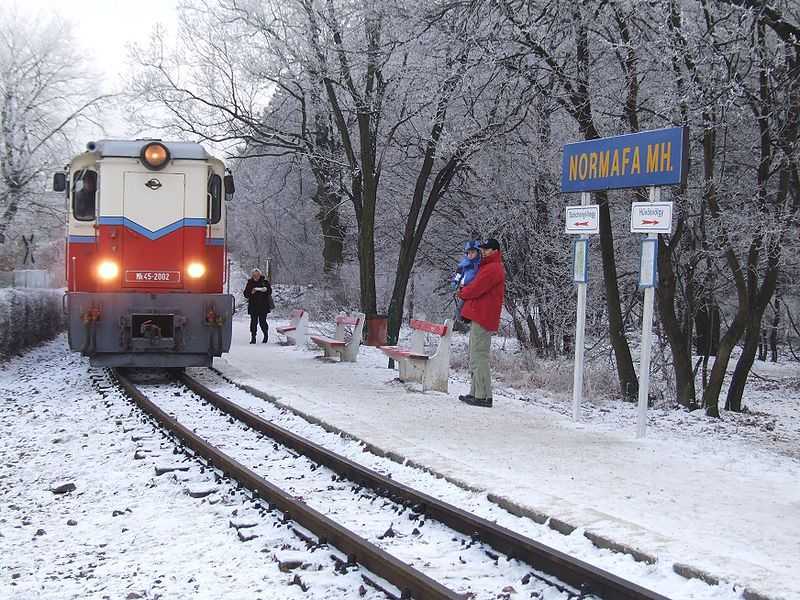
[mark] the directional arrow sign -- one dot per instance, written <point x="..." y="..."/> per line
<point x="583" y="219"/>
<point x="651" y="217"/>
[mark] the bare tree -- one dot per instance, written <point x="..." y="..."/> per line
<point x="430" y="122"/>
<point x="46" y="92"/>
<point x="542" y="32"/>
<point x="775" y="102"/>
<point x="240" y="75"/>
<point x="356" y="89"/>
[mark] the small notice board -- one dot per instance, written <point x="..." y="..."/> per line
<point x="583" y="219"/>
<point x="648" y="267"/>
<point x="651" y="217"/>
<point x="580" y="261"/>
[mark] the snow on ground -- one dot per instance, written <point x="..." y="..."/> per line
<point x="437" y="551"/>
<point x="123" y="532"/>
<point x="720" y="496"/>
<point x="471" y="575"/>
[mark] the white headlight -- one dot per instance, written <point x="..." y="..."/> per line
<point x="195" y="270"/>
<point x="108" y="270"/>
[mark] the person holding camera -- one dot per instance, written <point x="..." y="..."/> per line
<point x="258" y="292"/>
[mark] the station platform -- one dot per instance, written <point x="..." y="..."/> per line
<point x="714" y="501"/>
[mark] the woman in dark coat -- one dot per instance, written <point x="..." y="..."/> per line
<point x="258" y="292"/>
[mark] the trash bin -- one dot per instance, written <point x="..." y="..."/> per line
<point x="377" y="327"/>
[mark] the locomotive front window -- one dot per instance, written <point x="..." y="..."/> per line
<point x="214" y="199"/>
<point x="84" y="192"/>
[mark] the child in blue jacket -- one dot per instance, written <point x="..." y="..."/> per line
<point x="465" y="272"/>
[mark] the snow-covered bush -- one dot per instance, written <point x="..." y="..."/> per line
<point x="28" y="316"/>
<point x="318" y="301"/>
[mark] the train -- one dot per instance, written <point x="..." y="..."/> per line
<point x="146" y="253"/>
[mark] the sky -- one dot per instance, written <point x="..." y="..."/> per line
<point x="105" y="29"/>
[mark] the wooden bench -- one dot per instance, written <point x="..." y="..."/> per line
<point x="345" y="349"/>
<point x="433" y="370"/>
<point x="296" y="331"/>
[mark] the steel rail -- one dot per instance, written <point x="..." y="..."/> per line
<point x="411" y="582"/>
<point x="581" y="575"/>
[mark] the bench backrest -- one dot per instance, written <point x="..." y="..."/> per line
<point x="346" y="320"/>
<point x="420" y="329"/>
<point x="356" y="321"/>
<point x="296" y="313"/>
<point x="428" y="327"/>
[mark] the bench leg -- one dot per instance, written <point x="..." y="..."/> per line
<point x="436" y="383"/>
<point x="301" y="333"/>
<point x="413" y="371"/>
<point x="402" y="369"/>
<point x="435" y="377"/>
<point x="349" y="353"/>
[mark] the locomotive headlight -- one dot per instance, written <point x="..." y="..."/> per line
<point x="196" y="270"/>
<point x="108" y="270"/>
<point x="155" y="156"/>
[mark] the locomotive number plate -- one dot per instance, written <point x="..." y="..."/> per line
<point x="152" y="276"/>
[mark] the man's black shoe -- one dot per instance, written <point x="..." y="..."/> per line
<point x="253" y="340"/>
<point x="264" y="341"/>
<point x="473" y="401"/>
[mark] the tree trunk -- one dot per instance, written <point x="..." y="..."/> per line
<point x="328" y="195"/>
<point x="405" y="263"/>
<point x="567" y="341"/>
<point x="332" y="234"/>
<point x="626" y="374"/>
<point x="728" y="342"/>
<point x="717" y="375"/>
<point x="681" y="351"/>
<point x="412" y="295"/>
<point x="760" y="296"/>
<point x="519" y="328"/>
<point x="579" y="105"/>
<point x="362" y="158"/>
<point x="535" y="338"/>
<point x="707" y="336"/>
<point x="733" y="401"/>
<point x="773" y="335"/>
<point x="12" y="206"/>
<point x="760" y="299"/>
<point x="544" y="331"/>
<point x="366" y="260"/>
<point x="417" y="220"/>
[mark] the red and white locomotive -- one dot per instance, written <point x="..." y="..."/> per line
<point x="146" y="254"/>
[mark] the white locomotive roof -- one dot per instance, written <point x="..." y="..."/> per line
<point x="133" y="149"/>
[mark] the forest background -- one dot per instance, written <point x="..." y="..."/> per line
<point x="370" y="139"/>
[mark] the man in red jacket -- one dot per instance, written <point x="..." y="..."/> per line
<point x="483" y="301"/>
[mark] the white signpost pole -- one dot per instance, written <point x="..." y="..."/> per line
<point x="577" y="381"/>
<point x="647" y="340"/>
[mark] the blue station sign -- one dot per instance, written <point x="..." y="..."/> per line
<point x="650" y="158"/>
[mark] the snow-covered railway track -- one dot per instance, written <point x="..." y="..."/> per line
<point x="392" y="530"/>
